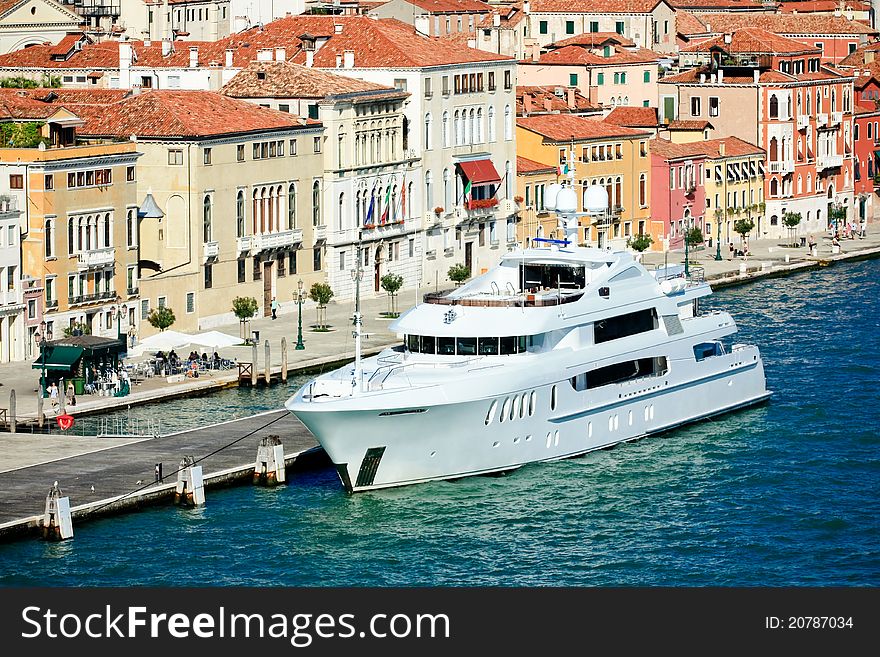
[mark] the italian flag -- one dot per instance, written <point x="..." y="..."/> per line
<point x="562" y="170"/>
<point x="467" y="190"/>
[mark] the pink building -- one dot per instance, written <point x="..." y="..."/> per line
<point x="866" y="142"/>
<point x="678" y="196"/>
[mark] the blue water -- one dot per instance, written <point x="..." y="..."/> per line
<point x="783" y="494"/>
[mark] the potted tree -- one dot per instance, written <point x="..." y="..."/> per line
<point x="244" y="308"/>
<point x="391" y="283"/>
<point x="458" y="274"/>
<point x="161" y="318"/>
<point x="791" y="221"/>
<point x="321" y="293"/>
<point x="743" y="227"/>
<point x="640" y="243"/>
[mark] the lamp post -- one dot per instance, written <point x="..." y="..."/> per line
<point x="299" y="328"/>
<point x="718" y="242"/>
<point x="41" y="338"/>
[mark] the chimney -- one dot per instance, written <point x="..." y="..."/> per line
<point x="720" y="76"/>
<point x="193" y="57"/>
<point x="338" y="60"/>
<point x="348" y="58"/>
<point x="147" y="43"/>
<point x="569" y="97"/>
<point x="125" y="55"/>
<point x="264" y="55"/>
<point x="548" y="104"/>
<point x="229" y="53"/>
<point x="527" y="104"/>
<point x="869" y="57"/>
<point x="310" y="58"/>
<point x="280" y="54"/>
<point x="496" y="20"/>
<point x="838" y="13"/>
<point x="728" y="38"/>
<point x="721" y="148"/>
<point x="527" y="7"/>
<point x="756" y="75"/>
<point x="337" y="28"/>
<point x="166" y="47"/>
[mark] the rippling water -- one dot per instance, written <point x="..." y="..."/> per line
<point x="784" y="494"/>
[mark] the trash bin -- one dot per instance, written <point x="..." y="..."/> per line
<point x="79" y="385"/>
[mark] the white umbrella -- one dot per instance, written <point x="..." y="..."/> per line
<point x="164" y="341"/>
<point x="214" y="339"/>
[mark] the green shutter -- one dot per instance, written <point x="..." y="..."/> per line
<point x="572" y="79"/>
<point x="569" y="27"/>
<point x="647" y="76"/>
<point x="600" y="79"/>
<point x="542" y="27"/>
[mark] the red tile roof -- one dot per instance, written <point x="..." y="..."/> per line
<point x="857" y="58"/>
<point x="829" y="6"/>
<point x="594" y="40"/>
<point x="689" y="24"/>
<point x="595" y="6"/>
<point x="576" y="55"/>
<point x="725" y="5"/>
<point x="633" y="117"/>
<point x="563" y="127"/>
<point x="752" y="40"/>
<point x="689" y="125"/>
<point x="785" y="24"/>
<point x="16" y="104"/>
<point x="452" y="6"/>
<point x="733" y="147"/>
<point x="185" y="114"/>
<point x="545" y="99"/>
<point x="286" y="80"/>
<point x="511" y="14"/>
<point x="525" y="166"/>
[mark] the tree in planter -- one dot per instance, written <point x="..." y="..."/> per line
<point x="77" y="329"/>
<point x="244" y="308"/>
<point x="391" y="283"/>
<point x="694" y="237"/>
<point x="837" y="215"/>
<point x="640" y="243"/>
<point x="743" y="227"/>
<point x="459" y="274"/>
<point x="321" y="293"/>
<point x="791" y="221"/>
<point x="161" y="318"/>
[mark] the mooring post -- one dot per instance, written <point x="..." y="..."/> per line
<point x="283" y="360"/>
<point x="268" y="364"/>
<point x="40" y="417"/>
<point x="190" y="489"/>
<point x="61" y="394"/>
<point x="57" y="523"/>
<point x="269" y="468"/>
<point x="254" y="368"/>
<point x="12" y="411"/>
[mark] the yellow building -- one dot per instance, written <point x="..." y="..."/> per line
<point x="78" y="202"/>
<point x="610" y="156"/>
<point x="532" y="181"/>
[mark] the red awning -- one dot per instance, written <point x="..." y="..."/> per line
<point x="480" y="172"/>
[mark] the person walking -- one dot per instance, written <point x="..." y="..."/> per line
<point x="71" y="394"/>
<point x="53" y="395"/>
<point x="274" y="307"/>
<point x="863" y="228"/>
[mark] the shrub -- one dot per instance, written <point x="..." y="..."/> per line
<point x="640" y="242"/>
<point x="694" y="236"/>
<point x="161" y="318"/>
<point x="244" y="307"/>
<point x="459" y="273"/>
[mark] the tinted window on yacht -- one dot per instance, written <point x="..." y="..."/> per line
<point x="412" y="343"/>
<point x="621" y="326"/>
<point x="508" y="345"/>
<point x="487" y="346"/>
<point x="538" y="276"/>
<point x="446" y="346"/>
<point x="467" y="346"/>
<point x="619" y="372"/>
<point x="428" y="344"/>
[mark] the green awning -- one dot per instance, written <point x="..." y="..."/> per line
<point x="59" y="358"/>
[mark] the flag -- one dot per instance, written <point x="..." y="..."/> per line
<point x="369" y="217"/>
<point x="403" y="198"/>
<point x="384" y="218"/>
<point x="562" y="170"/>
<point x="467" y="190"/>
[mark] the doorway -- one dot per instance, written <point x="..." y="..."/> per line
<point x="267" y="289"/>
<point x="469" y="256"/>
<point x="377" y="268"/>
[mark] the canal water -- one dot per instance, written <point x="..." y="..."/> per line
<point x="783" y="494"/>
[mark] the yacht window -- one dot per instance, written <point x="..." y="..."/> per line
<point x="428" y="346"/>
<point x="504" y="409"/>
<point x="553" y="398"/>
<point x="523" y="403"/>
<point x="488" y="347"/>
<point x="522" y="344"/>
<point x="412" y="343"/>
<point x="533" y="399"/>
<point x="536" y="276"/>
<point x="446" y="346"/>
<point x="626" y="371"/>
<point x="491" y="413"/>
<point x="621" y="326"/>
<point x="508" y="345"/>
<point x="579" y="382"/>
<point x="467" y="346"/>
<point x="632" y="272"/>
<point x="513" y="408"/>
<point x="707" y="350"/>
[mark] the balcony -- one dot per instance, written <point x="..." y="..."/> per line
<point x="836" y="118"/>
<point x="243" y="244"/>
<point x="829" y="162"/>
<point x="320" y="233"/>
<point x="821" y="120"/>
<point x="132" y="291"/>
<point x="95" y="258"/>
<point x="210" y="250"/>
<point x="92" y="298"/>
<point x="782" y="166"/>
<point x="284" y="239"/>
<point x="803" y="121"/>
<point x="52" y="304"/>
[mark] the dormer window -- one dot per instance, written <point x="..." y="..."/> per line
<point x="261" y="75"/>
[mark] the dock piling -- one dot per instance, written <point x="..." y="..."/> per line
<point x="40" y="417"/>
<point x="57" y="522"/>
<point x="283" y="360"/>
<point x="269" y="468"/>
<point x="190" y="490"/>
<point x="254" y="368"/>
<point x="12" y="411"/>
<point x="268" y="364"/>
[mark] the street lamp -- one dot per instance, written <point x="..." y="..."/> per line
<point x="299" y="330"/>
<point x="118" y="312"/>
<point x="41" y="338"/>
<point x="718" y="242"/>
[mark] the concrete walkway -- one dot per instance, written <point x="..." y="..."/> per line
<point x="767" y="257"/>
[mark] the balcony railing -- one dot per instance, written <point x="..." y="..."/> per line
<point x="281" y="240"/>
<point x="210" y="250"/>
<point x="821" y="120"/>
<point x="829" y="161"/>
<point x="51" y="304"/>
<point x="782" y="166"/>
<point x="132" y="291"/>
<point x="803" y="121"/>
<point x="95" y="258"/>
<point x="243" y="244"/>
<point x="836" y="118"/>
<point x="90" y="298"/>
<point x="481" y="203"/>
<point x="320" y="233"/>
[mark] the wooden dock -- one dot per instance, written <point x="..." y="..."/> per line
<point x="123" y="476"/>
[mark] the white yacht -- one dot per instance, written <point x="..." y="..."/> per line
<point x="557" y="351"/>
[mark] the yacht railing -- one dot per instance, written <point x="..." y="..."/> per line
<point x="520" y="301"/>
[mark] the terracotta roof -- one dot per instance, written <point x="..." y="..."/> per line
<point x="733" y="147"/>
<point x="105" y="55"/>
<point x="568" y="55"/>
<point x="185" y="114"/>
<point x="525" y="166"/>
<point x="633" y="117"/>
<point x="857" y="58"/>
<point x="563" y="127"/>
<point x="286" y="80"/>
<point x="689" y="24"/>
<point x="752" y="40"/>
<point x="692" y="76"/>
<point x="726" y="5"/>
<point x="67" y="44"/>
<point x="546" y="99"/>
<point x="595" y="6"/>
<point x="593" y="40"/>
<point x="829" y="6"/>
<point x="451" y="6"/>
<point x="689" y="125"/>
<point x="785" y="24"/>
<point x="16" y="104"/>
<point x="511" y="14"/>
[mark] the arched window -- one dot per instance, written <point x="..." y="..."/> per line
<point x="428" y="127"/>
<point x="818" y="102"/>
<point x="444" y="128"/>
<point x="131" y="228"/>
<point x="447" y="190"/>
<point x="800" y="183"/>
<point x="340" y="214"/>
<point x="49" y="237"/>
<point x="774" y="187"/>
<point x="491" y="121"/>
<point x="856" y="131"/>
<point x="459" y="128"/>
<point x="623" y="78"/>
<point x="206" y="219"/>
<point x="643" y="190"/>
<point x="808" y="103"/>
<point x="71" y="236"/>
<point x="809" y="183"/>
<point x="429" y="191"/>
<point x="508" y="123"/>
<point x="108" y="231"/>
<point x="774" y="107"/>
<point x="291" y="206"/>
<point x="479" y="136"/>
<point x="256" y="213"/>
<point x="472" y="127"/>
<point x="239" y="214"/>
<point x="788" y="107"/>
<point x="508" y="180"/>
<point x="316" y="203"/>
<point x="617" y="78"/>
<point x="774" y="150"/>
<point x="626" y="100"/>
<point x="409" y="196"/>
<point x="357" y="208"/>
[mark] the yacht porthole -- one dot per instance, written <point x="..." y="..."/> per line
<point x="516" y="441"/>
<point x="504" y="409"/>
<point x="529" y="438"/>
<point x="491" y="414"/>
<point x="556" y="439"/>
<point x="549" y="438"/>
<point x="533" y="398"/>
<point x="433" y="454"/>
<point x="652" y="411"/>
<point x="646" y="413"/>
<point x="730" y="383"/>
<point x="553" y="393"/>
<point x="513" y="405"/>
<point x="495" y="444"/>
<point x="523" y="402"/>
<point x="616" y="422"/>
<point x="630" y="418"/>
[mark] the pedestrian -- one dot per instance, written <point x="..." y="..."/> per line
<point x="274" y="307"/>
<point x="132" y="336"/>
<point x="71" y="395"/>
<point x="158" y="472"/>
<point x="863" y="228"/>
<point x="53" y="395"/>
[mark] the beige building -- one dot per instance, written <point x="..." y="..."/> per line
<point x="230" y="197"/>
<point x="28" y="22"/>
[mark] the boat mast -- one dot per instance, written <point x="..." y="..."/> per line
<point x="357" y="273"/>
